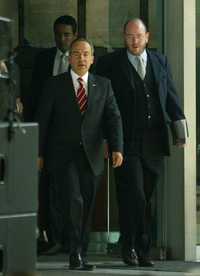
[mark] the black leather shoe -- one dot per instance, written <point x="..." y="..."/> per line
<point x="83" y="267"/>
<point x="42" y="242"/>
<point x="88" y="266"/>
<point x="42" y="246"/>
<point x="76" y="263"/>
<point x="129" y="257"/>
<point x="145" y="262"/>
<point x="53" y="250"/>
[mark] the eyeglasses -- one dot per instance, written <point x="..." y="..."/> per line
<point x="80" y="54"/>
<point x="135" y="36"/>
<point x="67" y="35"/>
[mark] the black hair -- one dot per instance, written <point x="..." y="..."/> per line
<point x="66" y="20"/>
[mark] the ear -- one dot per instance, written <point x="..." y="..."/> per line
<point x="92" y="59"/>
<point x="69" y="59"/>
<point x="147" y="37"/>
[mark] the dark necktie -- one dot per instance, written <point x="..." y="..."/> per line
<point x="81" y="96"/>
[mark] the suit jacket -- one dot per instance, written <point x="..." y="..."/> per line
<point x="116" y="66"/>
<point x="42" y="71"/>
<point x="63" y="130"/>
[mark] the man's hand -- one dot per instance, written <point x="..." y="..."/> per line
<point x="117" y="159"/>
<point x="180" y="143"/>
<point x="19" y="106"/>
<point x="40" y="163"/>
<point x="3" y="67"/>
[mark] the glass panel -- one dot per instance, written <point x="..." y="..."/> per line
<point x="105" y="27"/>
<point x="39" y="18"/>
<point x="156" y="24"/>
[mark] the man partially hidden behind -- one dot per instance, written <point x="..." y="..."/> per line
<point x="77" y="110"/>
<point x="146" y="96"/>
<point x="50" y="62"/>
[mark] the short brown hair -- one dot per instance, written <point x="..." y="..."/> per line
<point x="84" y="40"/>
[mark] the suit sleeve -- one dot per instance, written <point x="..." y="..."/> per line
<point x="178" y="121"/>
<point x="113" y="122"/>
<point x="173" y="106"/>
<point x="44" y="114"/>
<point x="37" y="85"/>
<point x="103" y="67"/>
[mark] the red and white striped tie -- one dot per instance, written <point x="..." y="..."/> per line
<point x="81" y="96"/>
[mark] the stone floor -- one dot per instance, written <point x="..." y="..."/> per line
<point x="110" y="266"/>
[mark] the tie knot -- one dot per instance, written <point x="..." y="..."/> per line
<point x="80" y="80"/>
<point x="139" y="59"/>
<point x="63" y="64"/>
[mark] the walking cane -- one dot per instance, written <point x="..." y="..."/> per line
<point x="108" y="202"/>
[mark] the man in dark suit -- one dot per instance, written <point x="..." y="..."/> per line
<point x="52" y="61"/>
<point x="76" y="111"/>
<point x="49" y="62"/>
<point x="148" y="103"/>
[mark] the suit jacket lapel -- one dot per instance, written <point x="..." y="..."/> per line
<point x="52" y="59"/>
<point x="126" y="68"/>
<point x="69" y="87"/>
<point x="159" y="74"/>
<point x="92" y="86"/>
<point x="158" y="70"/>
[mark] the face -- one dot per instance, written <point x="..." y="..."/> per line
<point x="81" y="57"/>
<point x="136" y="37"/>
<point x="63" y="36"/>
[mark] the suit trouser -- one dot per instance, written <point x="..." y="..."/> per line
<point x="72" y="198"/>
<point x="135" y="181"/>
<point x="43" y="206"/>
<point x="58" y="207"/>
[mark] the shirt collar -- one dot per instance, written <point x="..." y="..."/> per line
<point x="60" y="53"/>
<point x="143" y="55"/>
<point x="75" y="76"/>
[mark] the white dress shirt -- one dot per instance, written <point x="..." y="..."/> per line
<point x="57" y="61"/>
<point x="76" y="83"/>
